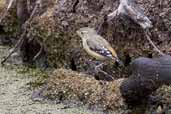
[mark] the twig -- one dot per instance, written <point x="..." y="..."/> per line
<point x="19" y="43"/>
<point x="98" y="69"/>
<point x="38" y="54"/>
<point x="148" y="34"/>
<point x="22" y="37"/>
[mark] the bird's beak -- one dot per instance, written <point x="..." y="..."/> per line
<point x="119" y="62"/>
<point x="78" y="32"/>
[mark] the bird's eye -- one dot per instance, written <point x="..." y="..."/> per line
<point x="82" y="32"/>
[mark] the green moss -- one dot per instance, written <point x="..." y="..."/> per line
<point x="10" y="25"/>
<point x="39" y="76"/>
<point x="66" y="85"/>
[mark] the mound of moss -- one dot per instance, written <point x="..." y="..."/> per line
<point x="69" y="86"/>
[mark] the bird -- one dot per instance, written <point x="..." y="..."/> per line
<point x="96" y="46"/>
<point x="99" y="48"/>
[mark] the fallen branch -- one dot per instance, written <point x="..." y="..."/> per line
<point x="22" y="37"/>
<point x="131" y="9"/>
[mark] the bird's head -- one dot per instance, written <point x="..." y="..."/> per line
<point x="85" y="31"/>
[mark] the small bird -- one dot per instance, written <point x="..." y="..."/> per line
<point x="96" y="46"/>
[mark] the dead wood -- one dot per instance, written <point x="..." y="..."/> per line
<point x="130" y="9"/>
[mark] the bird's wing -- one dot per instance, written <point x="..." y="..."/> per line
<point x="100" y="48"/>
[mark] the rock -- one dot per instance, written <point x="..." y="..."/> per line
<point x="16" y="58"/>
<point x="147" y="75"/>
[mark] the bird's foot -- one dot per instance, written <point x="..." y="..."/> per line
<point x="98" y="69"/>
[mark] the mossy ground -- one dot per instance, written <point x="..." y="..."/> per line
<point x="56" y="27"/>
<point x="69" y="86"/>
<point x="16" y="88"/>
<point x="77" y="89"/>
<point x="39" y="75"/>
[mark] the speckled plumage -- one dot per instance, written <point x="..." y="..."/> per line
<point x="95" y="45"/>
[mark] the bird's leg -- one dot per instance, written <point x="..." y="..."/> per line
<point x="99" y="66"/>
<point x="98" y="69"/>
<point x="106" y="74"/>
<point x="89" y="61"/>
<point x="90" y="69"/>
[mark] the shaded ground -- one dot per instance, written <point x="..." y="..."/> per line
<point x="15" y="95"/>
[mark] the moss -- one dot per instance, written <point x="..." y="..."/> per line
<point x="43" y="29"/>
<point x="160" y="103"/>
<point x="10" y="23"/>
<point x="66" y="85"/>
<point x="164" y="92"/>
<point x="69" y="86"/>
<point x="39" y="76"/>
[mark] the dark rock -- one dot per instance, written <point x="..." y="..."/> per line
<point x="147" y="75"/>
